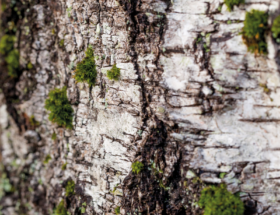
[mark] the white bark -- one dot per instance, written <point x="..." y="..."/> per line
<point x="226" y="121"/>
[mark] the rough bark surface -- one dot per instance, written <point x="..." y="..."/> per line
<point x="191" y="103"/>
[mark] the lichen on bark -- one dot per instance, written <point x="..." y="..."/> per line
<point x="191" y="104"/>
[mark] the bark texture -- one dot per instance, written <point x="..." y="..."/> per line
<point x="191" y="103"/>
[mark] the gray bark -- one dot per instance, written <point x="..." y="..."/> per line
<point x="193" y="108"/>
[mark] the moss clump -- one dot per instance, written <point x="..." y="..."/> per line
<point x="231" y="3"/>
<point x="68" y="10"/>
<point x="196" y="180"/>
<point x="137" y="167"/>
<point x="47" y="159"/>
<point x="12" y="60"/>
<point x="114" y="73"/>
<point x="219" y="201"/>
<point x="3" y="7"/>
<point x="11" y="54"/>
<point x="265" y="88"/>
<point x="60" y="209"/>
<point x="222" y="174"/>
<point x="276" y="29"/>
<point x="86" y="69"/>
<point x="253" y="32"/>
<point x="70" y="188"/>
<point x="5" y="185"/>
<point x="118" y="210"/>
<point x="63" y="167"/>
<point x="54" y="136"/>
<point x="29" y="66"/>
<point x="33" y="121"/>
<point x="61" y="43"/>
<point x="60" y="108"/>
<point x="7" y="44"/>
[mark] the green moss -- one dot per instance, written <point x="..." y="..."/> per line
<point x="68" y="10"/>
<point x="222" y="174"/>
<point x="265" y="88"/>
<point x="156" y="170"/>
<point x="54" y="136"/>
<point x="33" y="121"/>
<point x="47" y="159"/>
<point x="7" y="44"/>
<point x="196" y="180"/>
<point x="61" y="43"/>
<point x="30" y="189"/>
<point x="114" y="73"/>
<point x="83" y="208"/>
<point x="60" y="109"/>
<point x="12" y="60"/>
<point x="253" y="32"/>
<point x="218" y="201"/>
<point x="40" y="181"/>
<point x="276" y="29"/>
<point x="60" y="209"/>
<point x="118" y="210"/>
<point x="70" y="188"/>
<point x="29" y="66"/>
<point x="3" y="7"/>
<point x="11" y="54"/>
<point x="63" y="167"/>
<point x="137" y="167"/>
<point x="5" y="185"/>
<point x="231" y="3"/>
<point x="86" y="69"/>
<point x="162" y="185"/>
<point x="115" y="188"/>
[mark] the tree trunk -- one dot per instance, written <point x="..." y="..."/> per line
<point x="192" y="104"/>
